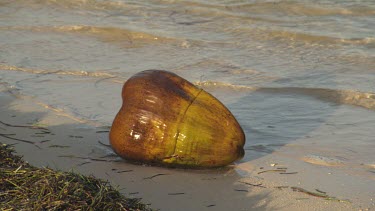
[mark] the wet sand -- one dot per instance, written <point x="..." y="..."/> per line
<point x="298" y="76"/>
<point x="275" y="181"/>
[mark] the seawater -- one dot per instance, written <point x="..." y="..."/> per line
<point x="290" y="71"/>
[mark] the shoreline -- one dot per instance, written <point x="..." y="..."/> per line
<point x="71" y="145"/>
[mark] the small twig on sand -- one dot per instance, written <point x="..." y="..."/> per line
<point x="260" y="185"/>
<point x="320" y="194"/>
<point x="298" y="189"/>
<point x="84" y="163"/>
<point x="174" y="194"/>
<point x="241" y="190"/>
<point x="107" y="145"/>
<point x="7" y="134"/>
<point x="85" y="158"/>
<point x="272" y="170"/>
<point x="102" y="131"/>
<point x="25" y="126"/>
<point x="58" y="146"/>
<point x="123" y="171"/>
<point x="289" y="172"/>
<point x="21" y="140"/>
<point x="321" y="191"/>
<point x="43" y="132"/>
<point x="156" y="175"/>
<point x="281" y="187"/>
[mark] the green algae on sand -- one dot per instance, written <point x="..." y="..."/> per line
<point x="25" y="187"/>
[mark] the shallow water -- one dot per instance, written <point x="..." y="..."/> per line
<point x="298" y="75"/>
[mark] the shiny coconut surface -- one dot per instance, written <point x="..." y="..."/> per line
<point x="166" y="120"/>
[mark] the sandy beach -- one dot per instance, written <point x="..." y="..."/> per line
<point x="297" y="75"/>
<point x="273" y="182"/>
